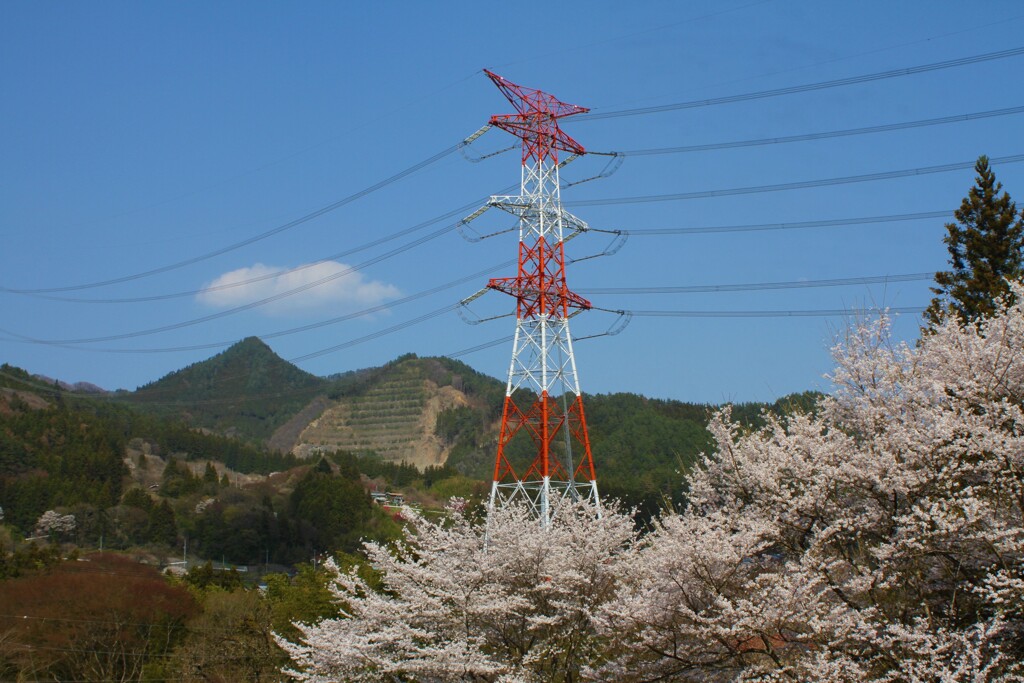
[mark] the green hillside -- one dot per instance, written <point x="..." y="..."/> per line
<point x="246" y="391"/>
<point x="641" y="446"/>
<point x="154" y="467"/>
<point x="133" y="480"/>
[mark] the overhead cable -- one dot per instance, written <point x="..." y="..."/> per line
<point x="760" y="286"/>
<point x="778" y="187"/>
<point x="807" y="87"/>
<point x="823" y="135"/>
<point x="258" y="303"/>
<point x="276" y="297"/>
<point x="815" y="313"/>
<point x="256" y="238"/>
<point x="278" y="273"/>
<point x="375" y="335"/>
<point x="642" y="232"/>
<point x="311" y="326"/>
<point x="755" y="227"/>
<point x="480" y="347"/>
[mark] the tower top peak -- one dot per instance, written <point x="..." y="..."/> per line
<point x="536" y="120"/>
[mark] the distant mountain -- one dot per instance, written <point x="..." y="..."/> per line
<point x="131" y="480"/>
<point x="246" y="391"/>
<point x="420" y="411"/>
<point x="77" y="387"/>
<point x="429" y="412"/>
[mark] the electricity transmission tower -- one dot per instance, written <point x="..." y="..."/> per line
<point x="543" y="455"/>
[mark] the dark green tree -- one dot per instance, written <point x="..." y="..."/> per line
<point x="985" y="250"/>
<point x="333" y="510"/>
<point x="162" y="527"/>
<point x="304" y="597"/>
<point x="210" y="476"/>
<point x="178" y="479"/>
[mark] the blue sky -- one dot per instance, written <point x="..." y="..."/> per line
<point x="140" y="136"/>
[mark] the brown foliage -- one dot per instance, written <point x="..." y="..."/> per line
<point x="232" y="640"/>
<point x="98" y="618"/>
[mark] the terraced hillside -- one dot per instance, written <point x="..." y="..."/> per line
<point x="395" y="417"/>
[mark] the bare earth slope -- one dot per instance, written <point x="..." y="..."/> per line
<point x="394" y="417"/>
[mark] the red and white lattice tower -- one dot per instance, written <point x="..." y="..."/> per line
<point x="542" y="397"/>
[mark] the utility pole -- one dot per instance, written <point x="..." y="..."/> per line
<point x="542" y="396"/>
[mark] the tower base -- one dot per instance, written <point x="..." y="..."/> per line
<point x="544" y="497"/>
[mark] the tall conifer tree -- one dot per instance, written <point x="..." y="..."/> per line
<point x="985" y="249"/>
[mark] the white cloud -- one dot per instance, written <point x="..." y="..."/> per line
<point x="327" y="284"/>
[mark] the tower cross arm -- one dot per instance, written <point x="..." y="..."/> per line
<point x="536" y="120"/>
<point x="536" y="130"/>
<point x="532" y="101"/>
<point x="526" y="291"/>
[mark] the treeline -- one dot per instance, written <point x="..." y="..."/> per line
<point x="318" y="508"/>
<point x="246" y="390"/>
<point x="105" y="617"/>
<point x="67" y="455"/>
<point x="641" y="446"/>
<point x="57" y="456"/>
<point x="235" y="454"/>
<point x="71" y="451"/>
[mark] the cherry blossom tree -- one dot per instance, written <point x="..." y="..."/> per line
<point x="879" y="538"/>
<point x="455" y="602"/>
<point x="53" y="523"/>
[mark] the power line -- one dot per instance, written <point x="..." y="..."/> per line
<point x="760" y="286"/>
<point x="353" y="342"/>
<point x="796" y="284"/>
<point x="375" y="335"/>
<point x="755" y="227"/>
<point x="252" y="304"/>
<point x="337" y="347"/>
<point x="273" y="231"/>
<point x="480" y="347"/>
<point x="275" y="297"/>
<point x="815" y="313"/>
<point x="823" y="135"/>
<point x="803" y="184"/>
<point x="440" y="155"/>
<point x="790" y="90"/>
<point x="319" y="324"/>
<point x="267" y="276"/>
<point x="391" y="304"/>
<point x="634" y="232"/>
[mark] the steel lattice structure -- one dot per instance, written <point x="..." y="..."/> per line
<point x="542" y="396"/>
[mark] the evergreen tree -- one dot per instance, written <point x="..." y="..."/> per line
<point x="211" y="480"/>
<point x="162" y="527"/>
<point x="985" y="249"/>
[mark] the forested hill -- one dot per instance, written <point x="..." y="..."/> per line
<point x="425" y="411"/>
<point x="642" y="447"/>
<point x="86" y="453"/>
<point x="58" y="449"/>
<point x="246" y="391"/>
